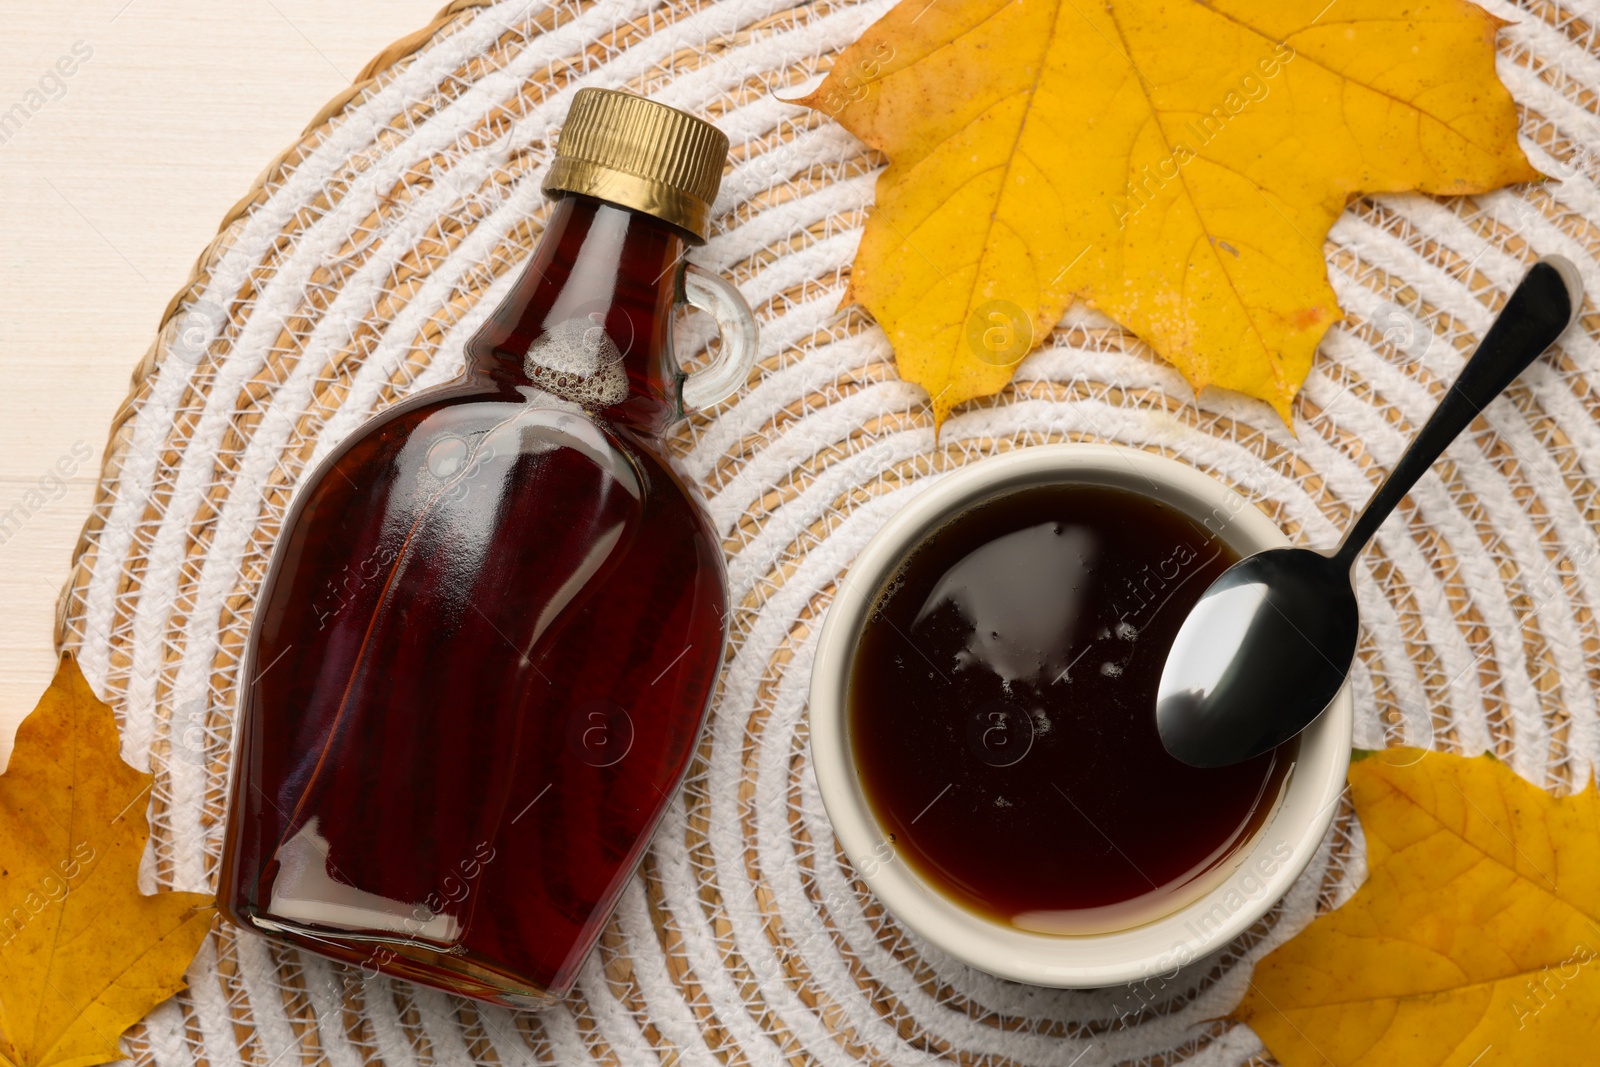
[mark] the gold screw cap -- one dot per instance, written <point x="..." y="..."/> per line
<point x="635" y="152"/>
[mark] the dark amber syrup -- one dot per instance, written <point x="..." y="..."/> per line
<point x="484" y="653"/>
<point x="1002" y="713"/>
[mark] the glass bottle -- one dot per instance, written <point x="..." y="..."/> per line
<point x="490" y="632"/>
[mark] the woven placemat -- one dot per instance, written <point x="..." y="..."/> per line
<point x="352" y="273"/>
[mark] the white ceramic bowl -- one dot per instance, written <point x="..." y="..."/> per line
<point x="1263" y="869"/>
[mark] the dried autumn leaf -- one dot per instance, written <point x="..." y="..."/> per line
<point x="83" y="954"/>
<point x="1473" y="941"/>
<point x="1174" y="163"/>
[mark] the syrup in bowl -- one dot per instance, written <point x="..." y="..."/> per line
<point x="1000" y="711"/>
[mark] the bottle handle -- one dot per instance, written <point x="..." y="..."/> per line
<point x="710" y="293"/>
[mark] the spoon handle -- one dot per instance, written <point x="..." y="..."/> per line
<point x="1543" y="305"/>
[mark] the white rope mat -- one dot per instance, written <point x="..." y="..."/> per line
<point x="370" y="253"/>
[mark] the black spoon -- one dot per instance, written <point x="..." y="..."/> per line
<point x="1270" y="643"/>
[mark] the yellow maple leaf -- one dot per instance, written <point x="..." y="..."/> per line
<point x="1473" y="941"/>
<point x="83" y="954"/>
<point x="1174" y="163"/>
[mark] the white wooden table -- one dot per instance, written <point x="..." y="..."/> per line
<point x="127" y="128"/>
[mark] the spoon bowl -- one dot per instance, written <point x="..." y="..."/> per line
<point x="1269" y="645"/>
<point x="1281" y="623"/>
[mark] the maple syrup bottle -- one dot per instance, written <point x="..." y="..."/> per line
<point x="490" y="632"/>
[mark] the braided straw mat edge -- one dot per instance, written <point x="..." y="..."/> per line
<point x="353" y="271"/>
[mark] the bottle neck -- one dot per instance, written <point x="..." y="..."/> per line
<point x="589" y="319"/>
